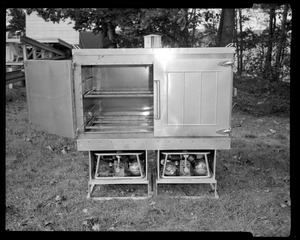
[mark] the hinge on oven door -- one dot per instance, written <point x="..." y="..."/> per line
<point x="73" y="65"/>
<point x="226" y="63"/>
<point x="224" y="131"/>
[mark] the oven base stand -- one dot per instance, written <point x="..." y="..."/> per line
<point x="94" y="162"/>
<point x="152" y="180"/>
<point x="209" y="178"/>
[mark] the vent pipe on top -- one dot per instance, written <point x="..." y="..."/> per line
<point x="152" y="41"/>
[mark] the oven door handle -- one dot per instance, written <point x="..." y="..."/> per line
<point x="157" y="99"/>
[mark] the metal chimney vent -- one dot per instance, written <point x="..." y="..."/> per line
<point x="152" y="41"/>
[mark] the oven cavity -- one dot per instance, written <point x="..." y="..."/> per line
<point x="117" y="98"/>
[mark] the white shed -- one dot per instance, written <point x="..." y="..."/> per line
<point x="37" y="28"/>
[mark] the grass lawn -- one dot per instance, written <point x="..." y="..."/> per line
<point x="46" y="189"/>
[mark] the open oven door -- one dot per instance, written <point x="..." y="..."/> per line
<point x="193" y="97"/>
<point x="50" y="96"/>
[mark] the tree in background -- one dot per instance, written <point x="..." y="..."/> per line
<point x="172" y="24"/>
<point x="16" y="21"/>
<point x="101" y="21"/>
<point x="281" y="41"/>
<point x="259" y="53"/>
<point x="226" y="27"/>
<point x="272" y="24"/>
<point x="265" y="52"/>
<point x="239" y="36"/>
<point x="210" y="22"/>
<point x="126" y="27"/>
<point x="176" y="25"/>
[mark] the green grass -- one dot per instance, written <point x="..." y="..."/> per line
<point x="46" y="190"/>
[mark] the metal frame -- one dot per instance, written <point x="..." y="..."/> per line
<point x="185" y="155"/>
<point x="40" y="50"/>
<point x="209" y="179"/>
<point x="118" y="157"/>
<point x="37" y="44"/>
<point x="147" y="141"/>
<point x="55" y="40"/>
<point x="93" y="181"/>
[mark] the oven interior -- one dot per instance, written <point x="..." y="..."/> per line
<point x="117" y="98"/>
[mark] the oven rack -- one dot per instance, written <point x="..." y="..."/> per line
<point x="117" y="93"/>
<point x="121" y="123"/>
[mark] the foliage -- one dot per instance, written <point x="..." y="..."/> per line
<point x="16" y="20"/>
<point x="254" y="52"/>
<point x="255" y="44"/>
<point x="177" y="26"/>
<point x="183" y="27"/>
<point x="210" y="22"/>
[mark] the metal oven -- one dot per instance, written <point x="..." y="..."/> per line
<point x="121" y="103"/>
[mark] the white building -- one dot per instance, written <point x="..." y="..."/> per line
<point x="37" y="28"/>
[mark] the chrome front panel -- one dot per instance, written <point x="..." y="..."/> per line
<point x="194" y="97"/>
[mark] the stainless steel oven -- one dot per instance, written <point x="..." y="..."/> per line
<point x="116" y="101"/>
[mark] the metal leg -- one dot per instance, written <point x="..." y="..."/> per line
<point x="156" y="176"/>
<point x="214" y="188"/>
<point x="165" y="163"/>
<point x="150" y="193"/>
<point x="118" y="164"/>
<point x="89" y="193"/>
<point x="207" y="165"/>
<point x="185" y="169"/>
<point x="216" y="193"/>
<point x="97" y="166"/>
<point x="140" y="166"/>
<point x="90" y="190"/>
<point x="157" y="172"/>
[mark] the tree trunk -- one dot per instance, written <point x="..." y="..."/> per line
<point x="281" y="41"/>
<point x="111" y="33"/>
<point x="262" y="56"/>
<point x="108" y="33"/>
<point x="241" y="41"/>
<point x="237" y="43"/>
<point x="226" y="27"/>
<point x="184" y="28"/>
<point x="193" y="20"/>
<point x="268" y="60"/>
